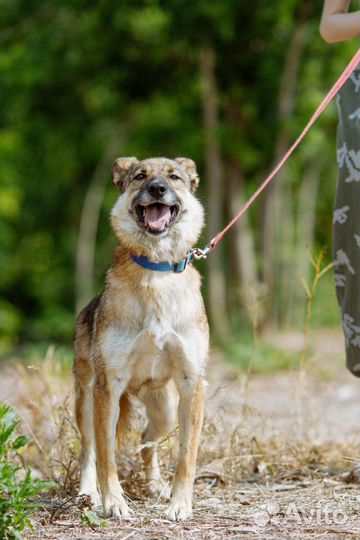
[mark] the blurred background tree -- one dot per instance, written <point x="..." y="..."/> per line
<point x="227" y="83"/>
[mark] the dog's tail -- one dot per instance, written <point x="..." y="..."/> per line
<point x="126" y="409"/>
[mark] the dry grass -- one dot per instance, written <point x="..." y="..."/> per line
<point x="266" y="467"/>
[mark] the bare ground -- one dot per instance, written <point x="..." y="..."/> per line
<point x="275" y="460"/>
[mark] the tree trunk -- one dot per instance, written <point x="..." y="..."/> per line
<point x="242" y="238"/>
<point x="215" y="197"/>
<point x="278" y="224"/>
<point x="89" y="220"/>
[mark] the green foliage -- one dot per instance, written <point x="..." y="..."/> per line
<point x="73" y="73"/>
<point x="17" y="487"/>
<point x="10" y="324"/>
<point x="92" y="520"/>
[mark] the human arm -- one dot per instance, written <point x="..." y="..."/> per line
<point x="336" y="23"/>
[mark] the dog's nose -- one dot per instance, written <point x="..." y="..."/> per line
<point x="157" y="187"/>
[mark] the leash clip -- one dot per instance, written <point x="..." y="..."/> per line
<point x="198" y="253"/>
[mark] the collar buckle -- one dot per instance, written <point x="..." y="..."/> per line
<point x="181" y="265"/>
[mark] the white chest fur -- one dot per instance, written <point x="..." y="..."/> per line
<point x="157" y="335"/>
<point x="140" y="357"/>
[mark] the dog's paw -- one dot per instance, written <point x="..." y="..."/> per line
<point x="160" y="489"/>
<point x="115" y="506"/>
<point x="94" y="496"/>
<point x="179" y="509"/>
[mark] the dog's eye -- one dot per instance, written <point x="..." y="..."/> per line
<point x="140" y="176"/>
<point x="175" y="177"/>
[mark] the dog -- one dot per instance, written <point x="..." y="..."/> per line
<point x="145" y="335"/>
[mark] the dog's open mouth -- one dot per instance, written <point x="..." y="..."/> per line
<point x="157" y="217"/>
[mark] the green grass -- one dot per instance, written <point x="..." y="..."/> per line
<point x="264" y="358"/>
<point x="35" y="352"/>
<point x="325" y="310"/>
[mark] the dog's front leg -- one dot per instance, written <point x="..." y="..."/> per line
<point x="106" y="413"/>
<point x="191" y="413"/>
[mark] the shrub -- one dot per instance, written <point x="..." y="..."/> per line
<point x="17" y="487"/>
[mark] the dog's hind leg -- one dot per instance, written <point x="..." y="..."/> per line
<point x="161" y="408"/>
<point x="122" y="426"/>
<point x="84" y="386"/>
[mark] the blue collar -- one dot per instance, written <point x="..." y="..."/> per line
<point x="163" y="266"/>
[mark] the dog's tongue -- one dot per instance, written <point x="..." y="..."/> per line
<point x="157" y="216"/>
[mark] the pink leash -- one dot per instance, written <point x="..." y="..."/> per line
<point x="201" y="253"/>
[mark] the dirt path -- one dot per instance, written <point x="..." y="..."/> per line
<point x="273" y="460"/>
<point x="323" y="401"/>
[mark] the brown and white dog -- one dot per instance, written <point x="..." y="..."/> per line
<point x="146" y="335"/>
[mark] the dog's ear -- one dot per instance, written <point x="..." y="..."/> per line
<point x="190" y="168"/>
<point x="120" y="169"/>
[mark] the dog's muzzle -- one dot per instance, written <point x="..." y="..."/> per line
<point x="157" y="206"/>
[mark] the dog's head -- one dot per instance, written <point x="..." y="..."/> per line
<point x="157" y="214"/>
